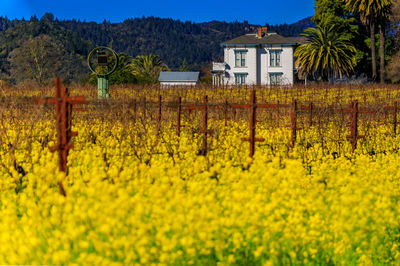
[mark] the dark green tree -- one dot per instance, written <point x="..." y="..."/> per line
<point x="373" y="13"/>
<point x="394" y="62"/>
<point x="335" y="12"/>
<point x="184" y="67"/>
<point x="37" y="59"/>
<point x="329" y="12"/>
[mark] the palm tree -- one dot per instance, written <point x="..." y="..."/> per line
<point x="372" y="13"/>
<point x="148" y="67"/>
<point x="325" y="52"/>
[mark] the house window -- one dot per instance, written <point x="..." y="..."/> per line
<point x="275" y="58"/>
<point x="275" y="78"/>
<point x="240" y="78"/>
<point x="240" y="58"/>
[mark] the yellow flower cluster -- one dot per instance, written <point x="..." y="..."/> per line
<point x="139" y="195"/>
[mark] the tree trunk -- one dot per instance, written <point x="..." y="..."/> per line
<point x="331" y="77"/>
<point x="382" y="52"/>
<point x="373" y="53"/>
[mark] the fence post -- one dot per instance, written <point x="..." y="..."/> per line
<point x="293" y="122"/>
<point x="144" y="109"/>
<point x="395" y="118"/>
<point x="159" y="109"/>
<point x="252" y="106"/>
<point x="277" y="114"/>
<point x="226" y="112"/>
<point x="178" y="121"/>
<point x="134" y="109"/>
<point x="205" y="125"/>
<point x="252" y="122"/>
<point x="354" y="125"/>
<point x="63" y="108"/>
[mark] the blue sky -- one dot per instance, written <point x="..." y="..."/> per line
<point x="256" y="12"/>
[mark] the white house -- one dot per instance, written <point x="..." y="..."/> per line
<point x="260" y="58"/>
<point x="178" y="78"/>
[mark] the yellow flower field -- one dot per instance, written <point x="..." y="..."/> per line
<point x="138" y="194"/>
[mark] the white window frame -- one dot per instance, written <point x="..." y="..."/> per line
<point x="240" y="58"/>
<point x="240" y="78"/>
<point x="275" y="78"/>
<point x="275" y="58"/>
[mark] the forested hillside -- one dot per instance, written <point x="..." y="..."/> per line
<point x="71" y="40"/>
<point x="172" y="39"/>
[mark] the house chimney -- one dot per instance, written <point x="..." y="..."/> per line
<point x="264" y="30"/>
<point x="259" y="35"/>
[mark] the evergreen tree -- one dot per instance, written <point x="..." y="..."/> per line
<point x="373" y="12"/>
<point x="184" y="67"/>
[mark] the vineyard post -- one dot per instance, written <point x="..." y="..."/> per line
<point x="144" y="109"/>
<point x="252" y="122"/>
<point x="226" y="112"/>
<point x="252" y="106"/>
<point x="134" y="109"/>
<point x="205" y="130"/>
<point x="395" y="118"/>
<point x="293" y="122"/>
<point x="178" y="121"/>
<point x="63" y="108"/>
<point x="159" y="109"/>
<point x="354" y="125"/>
<point x="354" y="111"/>
<point x="395" y="109"/>
<point x="205" y="125"/>
<point x="277" y="114"/>
<point x="310" y="116"/>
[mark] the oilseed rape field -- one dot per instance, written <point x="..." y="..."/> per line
<point x="139" y="194"/>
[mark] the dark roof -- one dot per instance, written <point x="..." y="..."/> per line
<point x="179" y="76"/>
<point x="267" y="39"/>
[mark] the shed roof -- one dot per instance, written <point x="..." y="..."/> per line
<point x="179" y="76"/>
<point x="267" y="39"/>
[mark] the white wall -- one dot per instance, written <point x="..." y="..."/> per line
<point x="259" y="58"/>
<point x="250" y="68"/>
<point x="286" y="67"/>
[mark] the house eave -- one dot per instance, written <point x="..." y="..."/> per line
<point x="256" y="44"/>
<point x="182" y="81"/>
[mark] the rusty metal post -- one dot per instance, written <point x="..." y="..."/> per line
<point x="226" y="113"/>
<point x="144" y="109"/>
<point x="63" y="108"/>
<point x="293" y="122"/>
<point x="385" y="115"/>
<point x="395" y="119"/>
<point x="205" y="125"/>
<point x="178" y="121"/>
<point x="159" y="109"/>
<point x="354" y="124"/>
<point x="277" y="114"/>
<point x="252" y="122"/>
<point x="134" y="109"/>
<point x="61" y="124"/>
<point x="354" y="111"/>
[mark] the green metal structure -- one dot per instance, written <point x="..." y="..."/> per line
<point x="103" y="67"/>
